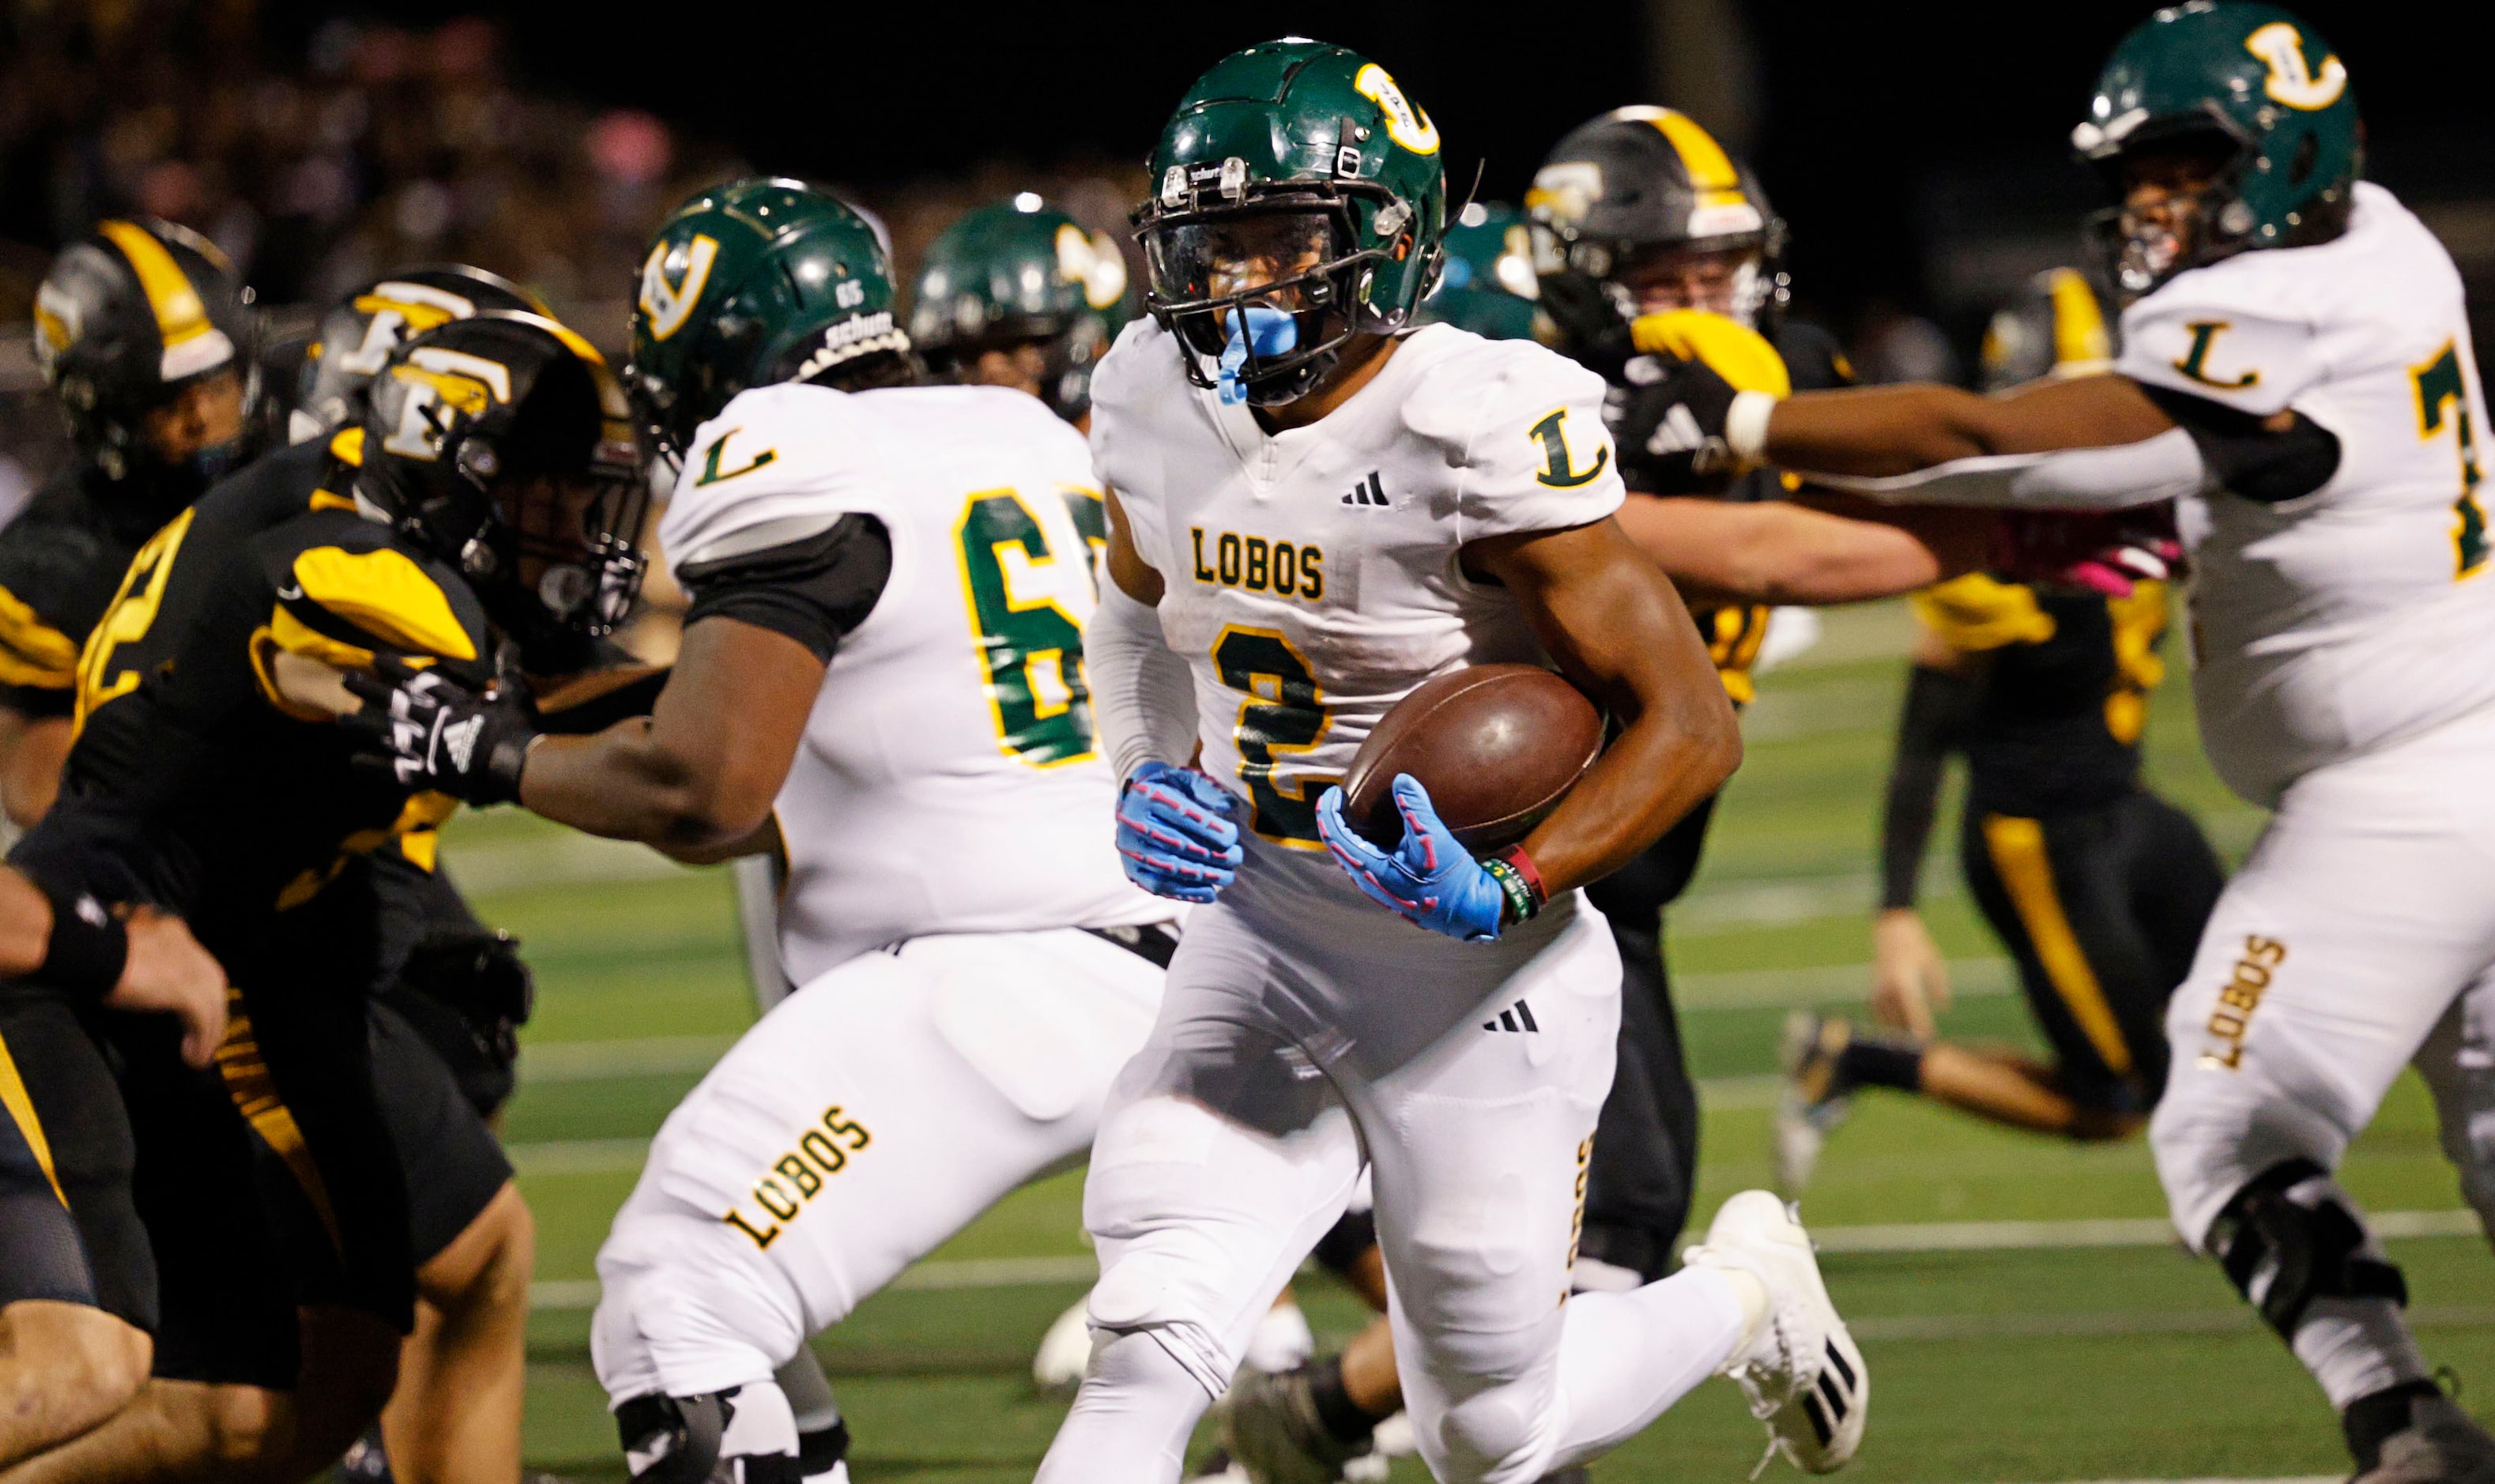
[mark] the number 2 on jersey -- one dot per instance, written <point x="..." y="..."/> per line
<point x="1032" y="649"/>
<point x="1285" y="714"/>
<point x="2443" y="390"/>
<point x="132" y="614"/>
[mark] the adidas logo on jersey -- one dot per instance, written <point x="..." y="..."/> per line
<point x="1369" y="492"/>
<point x="1516" y="1017"/>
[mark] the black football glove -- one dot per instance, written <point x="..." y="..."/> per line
<point x="1591" y="331"/>
<point x="434" y="733"/>
<point x="1667" y="424"/>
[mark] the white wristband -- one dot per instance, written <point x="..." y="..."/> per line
<point x="1745" y="424"/>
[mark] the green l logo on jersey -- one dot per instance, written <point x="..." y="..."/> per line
<point x="2195" y="361"/>
<point x="1559" y="467"/>
<point x="711" y="473"/>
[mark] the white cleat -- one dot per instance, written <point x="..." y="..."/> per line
<point x="1066" y="1350"/>
<point x="1801" y="1371"/>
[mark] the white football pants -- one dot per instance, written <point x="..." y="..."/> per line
<point x="1303" y="1027"/>
<point x="866" y="1118"/>
<point x="2357" y="938"/>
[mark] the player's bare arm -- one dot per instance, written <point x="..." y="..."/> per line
<point x="1618" y="630"/>
<point x="141" y="958"/>
<point x="700" y="771"/>
<point x="1832" y="549"/>
<point x="1880" y="431"/>
<point x="32" y="749"/>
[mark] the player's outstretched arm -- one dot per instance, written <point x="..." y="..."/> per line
<point x="1619" y="631"/>
<point x="1781" y="552"/>
<point x="1882" y="431"/>
<point x="699" y="772"/>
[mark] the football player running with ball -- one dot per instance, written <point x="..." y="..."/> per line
<point x="885" y="652"/>
<point x="1312" y="512"/>
<point x="2296" y="374"/>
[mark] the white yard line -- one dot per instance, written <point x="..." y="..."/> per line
<point x="1910" y="1237"/>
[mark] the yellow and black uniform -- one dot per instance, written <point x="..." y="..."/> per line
<point x="68" y="1230"/>
<point x="202" y="779"/>
<point x="2098" y="888"/>
<point x="61" y="562"/>
<point x="1642" y="1175"/>
<point x="61" y="566"/>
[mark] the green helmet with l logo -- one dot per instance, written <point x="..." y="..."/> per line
<point x="1021" y="272"/>
<point x="1298" y="200"/>
<point x="2257" y="86"/>
<point x="749" y="284"/>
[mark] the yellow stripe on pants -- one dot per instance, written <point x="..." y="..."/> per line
<point x="22" y="1111"/>
<point x="2017" y="850"/>
<point x="254" y="1093"/>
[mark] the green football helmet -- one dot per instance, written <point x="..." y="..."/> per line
<point x="751" y="283"/>
<point x="1489" y="285"/>
<point x="1298" y="200"/>
<point x="2257" y="86"/>
<point x="1017" y="273"/>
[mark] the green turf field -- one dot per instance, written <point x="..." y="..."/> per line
<point x="2011" y="1363"/>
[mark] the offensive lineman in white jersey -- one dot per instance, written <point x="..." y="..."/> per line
<point x="1313" y="512"/>
<point x="884" y="649"/>
<point x="2296" y="374"/>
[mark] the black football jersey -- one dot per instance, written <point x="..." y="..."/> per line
<point x="200" y="779"/>
<point x="2063" y="699"/>
<point x="61" y="561"/>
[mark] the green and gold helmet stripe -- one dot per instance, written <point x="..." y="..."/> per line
<point x="192" y="344"/>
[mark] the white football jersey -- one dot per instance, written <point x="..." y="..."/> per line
<point x="1313" y="576"/>
<point x="2361" y="613"/>
<point x="948" y="782"/>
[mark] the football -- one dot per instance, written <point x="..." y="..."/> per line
<point x="1497" y="746"/>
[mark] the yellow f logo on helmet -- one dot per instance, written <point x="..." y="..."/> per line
<point x="668" y="304"/>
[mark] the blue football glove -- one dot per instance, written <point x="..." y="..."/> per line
<point x="1178" y="833"/>
<point x="1429" y="878"/>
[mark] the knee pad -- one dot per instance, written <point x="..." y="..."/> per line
<point x="1138" y="1296"/>
<point x="1487" y="1436"/>
<point x="698" y="1439"/>
<point x="2292" y="1236"/>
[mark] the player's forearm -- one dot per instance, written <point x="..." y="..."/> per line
<point x="30" y="772"/>
<point x="1937" y="705"/>
<point x="1776" y="552"/>
<point x="26" y="924"/>
<point x="1619" y="631"/>
<point x="629" y="783"/>
<point x="1878" y="431"/>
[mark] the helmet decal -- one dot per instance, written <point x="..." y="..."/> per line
<point x="193" y="344"/>
<point x="2292" y="79"/>
<point x="1564" y="191"/>
<point x="1405" y="124"/>
<point x="58" y="321"/>
<point x="668" y="305"/>
<point x="438" y="376"/>
<point x="1095" y="263"/>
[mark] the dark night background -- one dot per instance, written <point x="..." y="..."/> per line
<point x="1879" y="129"/>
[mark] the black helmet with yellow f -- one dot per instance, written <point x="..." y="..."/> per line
<point x="502" y="445"/>
<point x="1645" y="202"/>
<point x="145" y="334"/>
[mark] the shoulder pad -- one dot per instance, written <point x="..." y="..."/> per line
<point x="57" y="576"/>
<point x="343" y="593"/>
<point x="1524" y="424"/>
<point x="2220" y="335"/>
<point x="777" y="464"/>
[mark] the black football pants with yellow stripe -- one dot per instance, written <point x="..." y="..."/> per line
<point x="2102" y="909"/>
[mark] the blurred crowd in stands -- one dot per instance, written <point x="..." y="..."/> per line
<point x="370" y="147"/>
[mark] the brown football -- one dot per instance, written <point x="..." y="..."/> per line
<point x="1497" y="746"/>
